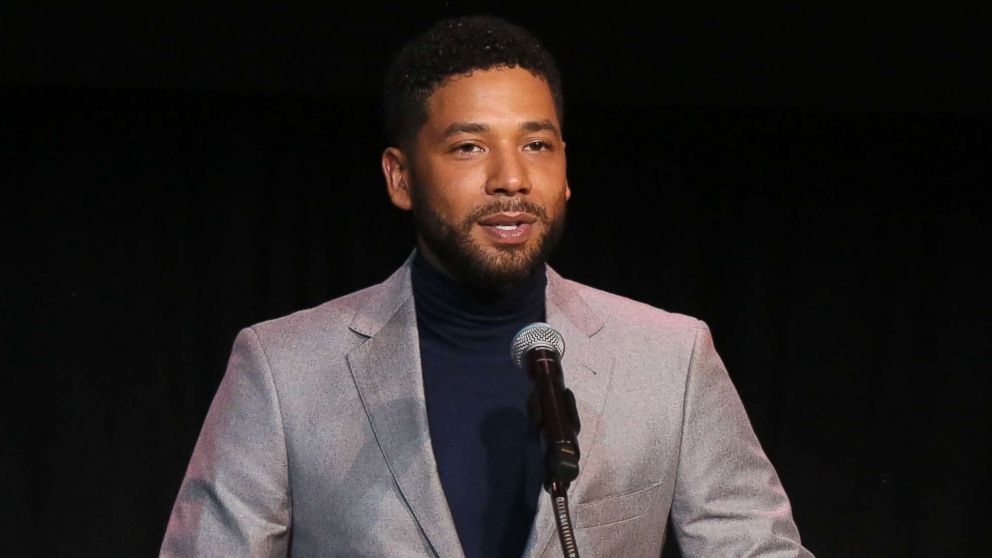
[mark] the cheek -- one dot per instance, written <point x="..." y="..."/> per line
<point x="445" y="203"/>
<point x="550" y="174"/>
<point x="454" y="191"/>
<point x="555" y="189"/>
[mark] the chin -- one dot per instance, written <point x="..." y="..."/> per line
<point x="500" y="268"/>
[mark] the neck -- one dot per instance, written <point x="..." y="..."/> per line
<point x="469" y="319"/>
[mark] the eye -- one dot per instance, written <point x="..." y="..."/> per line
<point x="538" y="145"/>
<point x="466" y="148"/>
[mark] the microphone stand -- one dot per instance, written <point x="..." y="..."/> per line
<point x="559" y="501"/>
<point x="562" y="465"/>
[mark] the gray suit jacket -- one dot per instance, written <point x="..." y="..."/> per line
<point x="317" y="443"/>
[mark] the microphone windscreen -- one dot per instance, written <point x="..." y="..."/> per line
<point x="534" y="336"/>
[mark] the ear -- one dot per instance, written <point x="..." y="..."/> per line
<point x="568" y="191"/>
<point x="397" y="173"/>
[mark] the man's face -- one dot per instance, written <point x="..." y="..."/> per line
<point x="485" y="177"/>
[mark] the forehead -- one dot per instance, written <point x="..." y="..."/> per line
<point x="495" y="96"/>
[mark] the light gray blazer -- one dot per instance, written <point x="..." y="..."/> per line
<point x="317" y="443"/>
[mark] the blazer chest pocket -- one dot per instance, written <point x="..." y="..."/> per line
<point x="616" y="508"/>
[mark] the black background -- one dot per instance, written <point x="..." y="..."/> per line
<point x="810" y="182"/>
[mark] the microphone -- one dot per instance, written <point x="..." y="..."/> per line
<point x="538" y="349"/>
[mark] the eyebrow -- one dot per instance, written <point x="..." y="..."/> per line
<point x="477" y="128"/>
<point x="540" y="125"/>
<point x="465" y="128"/>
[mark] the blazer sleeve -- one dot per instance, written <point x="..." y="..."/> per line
<point x="234" y="500"/>
<point x="728" y="499"/>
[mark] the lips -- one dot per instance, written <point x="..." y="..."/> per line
<point x="508" y="227"/>
<point x="508" y="219"/>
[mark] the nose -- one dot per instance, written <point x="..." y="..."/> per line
<point x="507" y="174"/>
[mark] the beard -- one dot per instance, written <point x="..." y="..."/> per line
<point x="489" y="268"/>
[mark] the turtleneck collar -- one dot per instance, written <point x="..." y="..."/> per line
<point x="461" y="319"/>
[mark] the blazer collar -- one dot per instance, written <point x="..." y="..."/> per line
<point x="386" y="300"/>
<point x="387" y="373"/>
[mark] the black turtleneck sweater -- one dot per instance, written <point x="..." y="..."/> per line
<point x="487" y="450"/>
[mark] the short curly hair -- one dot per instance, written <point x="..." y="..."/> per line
<point x="454" y="47"/>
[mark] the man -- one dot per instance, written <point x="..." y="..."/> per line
<point x="391" y="421"/>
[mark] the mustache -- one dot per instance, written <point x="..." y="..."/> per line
<point x="513" y="205"/>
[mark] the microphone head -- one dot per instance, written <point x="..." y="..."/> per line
<point x="537" y="335"/>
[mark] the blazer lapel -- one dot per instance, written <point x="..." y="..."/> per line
<point x="587" y="368"/>
<point x="387" y="372"/>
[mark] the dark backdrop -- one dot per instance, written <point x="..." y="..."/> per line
<point x="812" y="184"/>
